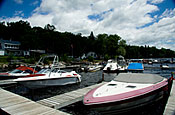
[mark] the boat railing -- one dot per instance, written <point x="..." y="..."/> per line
<point x="54" y="64"/>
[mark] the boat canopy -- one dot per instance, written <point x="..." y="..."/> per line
<point x="139" y="78"/>
<point x="23" y="68"/>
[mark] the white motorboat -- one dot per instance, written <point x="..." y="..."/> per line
<point x="52" y="76"/>
<point x="164" y="67"/>
<point x="116" y="66"/>
<point x="126" y="92"/>
<point x="49" y="77"/>
<point x="95" y="67"/>
<point x="21" y="71"/>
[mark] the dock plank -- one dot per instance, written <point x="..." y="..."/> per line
<point x="170" y="106"/>
<point x="48" y="104"/>
<point x="18" y="105"/>
<point x="29" y="108"/>
<point x="65" y="99"/>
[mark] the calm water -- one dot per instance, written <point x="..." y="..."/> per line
<point x="88" y="79"/>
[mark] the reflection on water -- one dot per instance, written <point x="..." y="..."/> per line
<point x="91" y="79"/>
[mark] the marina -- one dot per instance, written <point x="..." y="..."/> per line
<point x="66" y="57"/>
<point x="68" y="99"/>
<point x="15" y="104"/>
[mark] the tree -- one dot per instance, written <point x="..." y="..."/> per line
<point x="49" y="27"/>
<point x="60" y="43"/>
<point x="121" y="51"/>
<point x="92" y="37"/>
<point x="100" y="44"/>
<point x="112" y="44"/>
<point x="91" y="42"/>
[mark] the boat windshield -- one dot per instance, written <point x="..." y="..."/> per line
<point x="62" y="71"/>
<point x="122" y="63"/>
<point x="16" y="71"/>
<point x="56" y="70"/>
<point x="44" y="71"/>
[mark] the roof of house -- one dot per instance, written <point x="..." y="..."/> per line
<point x="10" y="42"/>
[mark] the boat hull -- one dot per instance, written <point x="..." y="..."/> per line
<point x="127" y="91"/>
<point x="34" y="84"/>
<point x="118" y="107"/>
<point x="4" y="77"/>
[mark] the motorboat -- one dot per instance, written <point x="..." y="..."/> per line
<point x="135" y="67"/>
<point x="94" y="68"/>
<point x="115" y="66"/>
<point x="126" y="92"/>
<point x="49" y="77"/>
<point x="52" y="76"/>
<point x="164" y="67"/>
<point x="21" y="71"/>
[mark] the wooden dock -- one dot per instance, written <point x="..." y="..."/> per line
<point x="170" y="106"/>
<point x="14" y="104"/>
<point x="66" y="99"/>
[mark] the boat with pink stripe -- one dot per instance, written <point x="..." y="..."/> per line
<point x="127" y="91"/>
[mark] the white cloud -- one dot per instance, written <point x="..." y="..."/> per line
<point x="19" y="1"/>
<point x="127" y="19"/>
<point x="19" y="13"/>
<point x="168" y="13"/>
<point x="40" y="20"/>
<point x="34" y="3"/>
<point x="156" y="1"/>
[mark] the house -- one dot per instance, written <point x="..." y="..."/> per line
<point x="8" y="47"/>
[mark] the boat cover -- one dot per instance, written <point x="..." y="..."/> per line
<point x="139" y="78"/>
<point x="23" y="68"/>
<point x="135" y="66"/>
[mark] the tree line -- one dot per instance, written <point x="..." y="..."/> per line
<point x="66" y="43"/>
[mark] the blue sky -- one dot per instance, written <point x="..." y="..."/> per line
<point x="139" y="22"/>
<point x="23" y="8"/>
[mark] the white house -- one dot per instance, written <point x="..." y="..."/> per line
<point x="9" y="47"/>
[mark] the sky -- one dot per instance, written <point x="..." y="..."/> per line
<point x="139" y="22"/>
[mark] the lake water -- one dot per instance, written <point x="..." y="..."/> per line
<point x="88" y="79"/>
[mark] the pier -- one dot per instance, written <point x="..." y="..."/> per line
<point x="66" y="99"/>
<point x="16" y="105"/>
<point x="170" y="106"/>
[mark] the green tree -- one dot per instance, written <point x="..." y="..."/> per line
<point x="121" y="51"/>
<point x="112" y="44"/>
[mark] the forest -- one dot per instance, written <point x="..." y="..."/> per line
<point x="66" y="43"/>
